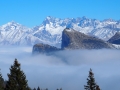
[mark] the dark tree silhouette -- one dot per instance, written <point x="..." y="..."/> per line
<point x="1" y="82"/>
<point x="34" y="89"/>
<point x="97" y="87"/>
<point x="38" y="88"/>
<point x="91" y="85"/>
<point x="16" y="78"/>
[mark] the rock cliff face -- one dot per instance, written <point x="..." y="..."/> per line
<point x="115" y="39"/>
<point x="43" y="48"/>
<point x="72" y="39"/>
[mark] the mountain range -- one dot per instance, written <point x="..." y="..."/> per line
<point x="50" y="31"/>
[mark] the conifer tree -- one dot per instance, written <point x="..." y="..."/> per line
<point x="97" y="87"/>
<point x="16" y="78"/>
<point x="34" y="89"/>
<point x="38" y="88"/>
<point x="91" y="85"/>
<point x="1" y="82"/>
<point x="57" y="89"/>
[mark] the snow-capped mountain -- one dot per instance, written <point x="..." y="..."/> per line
<point x="50" y="31"/>
<point x="14" y="33"/>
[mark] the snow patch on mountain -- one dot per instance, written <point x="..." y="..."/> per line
<point x="116" y="46"/>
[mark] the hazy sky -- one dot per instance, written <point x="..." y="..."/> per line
<point x="65" y="69"/>
<point x="32" y="12"/>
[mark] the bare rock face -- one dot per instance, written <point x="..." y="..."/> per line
<point x="115" y="39"/>
<point x="72" y="39"/>
<point x="43" y="48"/>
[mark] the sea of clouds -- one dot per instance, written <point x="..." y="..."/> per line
<point x="64" y="69"/>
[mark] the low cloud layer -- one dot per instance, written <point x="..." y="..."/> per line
<point x="65" y="69"/>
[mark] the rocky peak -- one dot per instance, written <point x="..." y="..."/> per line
<point x="43" y="48"/>
<point x="109" y="20"/>
<point x="72" y="39"/>
<point x="50" y="19"/>
<point x="10" y="26"/>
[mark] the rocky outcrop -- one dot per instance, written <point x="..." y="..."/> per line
<point x="72" y="39"/>
<point x="43" y="48"/>
<point x="115" y="39"/>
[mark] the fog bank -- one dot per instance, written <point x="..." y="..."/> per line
<point x="65" y="69"/>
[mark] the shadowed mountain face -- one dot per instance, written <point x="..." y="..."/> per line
<point x="43" y="48"/>
<point x="115" y="39"/>
<point x="72" y="39"/>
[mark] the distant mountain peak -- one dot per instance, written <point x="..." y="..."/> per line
<point x="12" y="23"/>
<point x="84" y="17"/>
<point x="109" y="20"/>
<point x="49" y="17"/>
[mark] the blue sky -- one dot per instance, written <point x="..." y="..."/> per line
<point x="32" y="12"/>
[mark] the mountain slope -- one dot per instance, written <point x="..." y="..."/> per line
<point x="115" y="39"/>
<point x="72" y="39"/>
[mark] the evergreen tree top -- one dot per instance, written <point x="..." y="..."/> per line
<point x="91" y="73"/>
<point x="38" y="88"/>
<point x="16" y="63"/>
<point x="16" y="78"/>
<point x="91" y="84"/>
